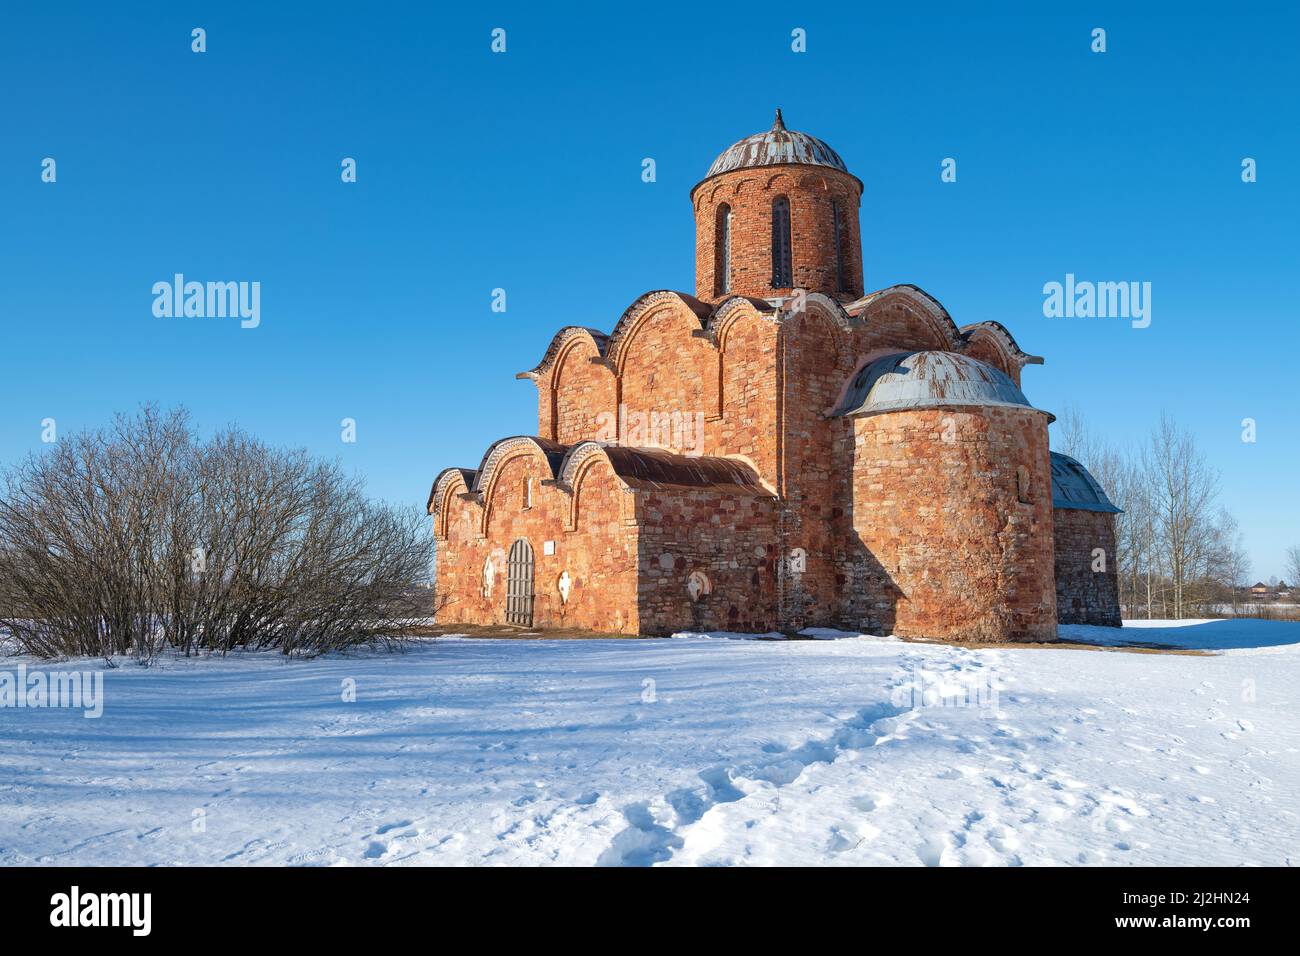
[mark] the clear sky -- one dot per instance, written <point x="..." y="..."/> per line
<point x="522" y="171"/>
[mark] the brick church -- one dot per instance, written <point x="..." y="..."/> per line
<point x="779" y="451"/>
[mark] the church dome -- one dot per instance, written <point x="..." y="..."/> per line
<point x="912" y="380"/>
<point x="777" y="146"/>
<point x="1073" y="486"/>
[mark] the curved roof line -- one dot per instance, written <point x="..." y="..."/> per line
<point x="712" y="318"/>
<point x="575" y="456"/>
<point x="598" y="338"/>
<point x="438" y="493"/>
<point x="833" y="307"/>
<point x="722" y="312"/>
<point x="777" y="146"/>
<point x="929" y="379"/>
<point x="1074" y="488"/>
<point x="1008" y="341"/>
<point x="776" y="313"/>
<point x="920" y="297"/>
<point x="627" y="321"/>
<point x="552" y="450"/>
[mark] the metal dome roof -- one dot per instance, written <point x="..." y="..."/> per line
<point x="1074" y="487"/>
<point x="928" y="380"/>
<point x="777" y="146"/>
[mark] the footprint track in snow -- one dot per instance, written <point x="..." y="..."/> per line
<point x="653" y="837"/>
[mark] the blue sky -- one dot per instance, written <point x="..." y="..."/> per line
<point x="522" y="171"/>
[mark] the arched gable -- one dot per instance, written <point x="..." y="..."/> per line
<point x="987" y="349"/>
<point x="585" y="462"/>
<point x="665" y="362"/>
<point x="905" y="317"/>
<point x="734" y="307"/>
<point x="544" y="376"/>
<point x="598" y="340"/>
<point x="500" y="454"/>
<point x="991" y="343"/>
<point x="736" y="330"/>
<point x="832" y="310"/>
<point x="583" y="391"/>
<point x="646" y="307"/>
<point x="449" y="483"/>
<point x="819" y="337"/>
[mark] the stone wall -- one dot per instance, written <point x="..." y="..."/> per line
<point x="746" y="421"/>
<point x="668" y="381"/>
<point x="598" y="550"/>
<point x="582" y="393"/>
<point x="1084" y="595"/>
<point x="730" y="537"/>
<point x="816" y="357"/>
<point x="942" y="544"/>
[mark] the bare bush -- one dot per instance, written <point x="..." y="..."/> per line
<point x="141" y="537"/>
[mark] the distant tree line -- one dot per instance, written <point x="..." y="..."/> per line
<point x="1179" y="552"/>
<point x="142" y="536"/>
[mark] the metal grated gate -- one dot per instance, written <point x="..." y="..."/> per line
<point x="519" y="584"/>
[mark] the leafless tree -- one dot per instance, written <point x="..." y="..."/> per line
<point x="1184" y="488"/>
<point x="1232" y="563"/>
<point x="141" y="536"/>
<point x="1175" y="550"/>
<point x="1293" y="565"/>
<point x="1074" y="438"/>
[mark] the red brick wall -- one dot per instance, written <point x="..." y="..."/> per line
<point x="599" y="554"/>
<point x="817" y="356"/>
<point x="897" y="323"/>
<point x="983" y="350"/>
<point x="730" y="536"/>
<point x="629" y="556"/>
<point x="1085" y="596"/>
<point x="461" y="551"/>
<point x="664" y="370"/>
<point x="750" y="193"/>
<point x="941" y="545"/>
<point x="749" y="383"/>
<point x="583" y="394"/>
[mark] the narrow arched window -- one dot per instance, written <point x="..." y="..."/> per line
<point x="841" y="240"/>
<point x="722" y="252"/>
<point x="782" y="271"/>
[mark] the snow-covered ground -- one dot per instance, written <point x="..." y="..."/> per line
<point x="694" y="750"/>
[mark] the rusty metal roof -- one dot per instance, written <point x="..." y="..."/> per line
<point x="777" y="146"/>
<point x="660" y="468"/>
<point x="927" y="380"/>
<point x="1074" y="487"/>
